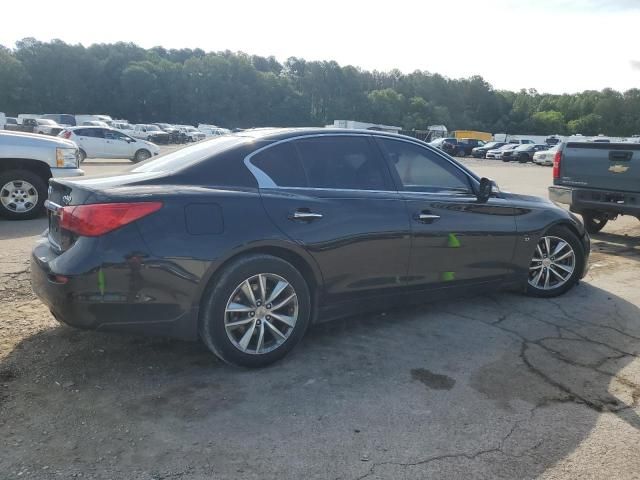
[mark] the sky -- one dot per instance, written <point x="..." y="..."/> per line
<point x="555" y="46"/>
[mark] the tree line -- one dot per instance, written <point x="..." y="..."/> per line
<point x="240" y="90"/>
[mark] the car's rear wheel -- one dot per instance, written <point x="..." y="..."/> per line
<point x="141" y="155"/>
<point x="83" y="155"/>
<point x="22" y="194"/>
<point x="556" y="264"/>
<point x="594" y="222"/>
<point x="256" y="311"/>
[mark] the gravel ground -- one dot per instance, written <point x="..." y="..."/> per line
<point x="499" y="386"/>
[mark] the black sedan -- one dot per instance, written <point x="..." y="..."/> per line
<point x="480" y="152"/>
<point x="245" y="240"/>
<point x="524" y="153"/>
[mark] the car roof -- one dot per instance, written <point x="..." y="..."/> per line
<point x="290" y="132"/>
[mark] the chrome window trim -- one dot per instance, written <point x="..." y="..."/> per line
<point x="266" y="182"/>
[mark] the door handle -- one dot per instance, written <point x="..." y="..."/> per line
<point x="305" y="215"/>
<point x="425" y="217"/>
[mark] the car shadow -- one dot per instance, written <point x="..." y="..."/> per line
<point x="11" y="229"/>
<point x="500" y="386"/>
<point x="617" y="244"/>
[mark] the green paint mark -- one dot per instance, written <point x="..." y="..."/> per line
<point x="448" y="276"/>
<point x="101" y="281"/>
<point x="453" y="241"/>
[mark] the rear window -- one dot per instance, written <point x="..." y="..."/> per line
<point x="190" y="155"/>
<point x="282" y="164"/>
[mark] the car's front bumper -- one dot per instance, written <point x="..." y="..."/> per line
<point x="66" y="172"/>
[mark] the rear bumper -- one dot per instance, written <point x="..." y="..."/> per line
<point x="66" y="172"/>
<point x="111" y="297"/>
<point x="583" y="200"/>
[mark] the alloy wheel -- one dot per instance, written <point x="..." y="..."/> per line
<point x="261" y="313"/>
<point x="552" y="264"/>
<point x="19" y="196"/>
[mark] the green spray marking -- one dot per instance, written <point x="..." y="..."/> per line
<point x="101" y="281"/>
<point x="453" y="241"/>
<point x="448" y="276"/>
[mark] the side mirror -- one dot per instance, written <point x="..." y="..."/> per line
<point x="484" y="190"/>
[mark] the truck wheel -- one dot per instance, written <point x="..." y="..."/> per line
<point x="22" y="194"/>
<point x="594" y="222"/>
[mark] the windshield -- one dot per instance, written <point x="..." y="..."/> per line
<point x="153" y="128"/>
<point x="188" y="156"/>
<point x="509" y="146"/>
<point x="493" y="145"/>
<point x="191" y="129"/>
<point x="523" y="148"/>
<point x="46" y="122"/>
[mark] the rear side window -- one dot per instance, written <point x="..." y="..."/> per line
<point x="282" y="164"/>
<point x="342" y="162"/>
<point x="90" y="132"/>
<point x="421" y="170"/>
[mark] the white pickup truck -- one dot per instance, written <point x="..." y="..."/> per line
<point x="27" y="162"/>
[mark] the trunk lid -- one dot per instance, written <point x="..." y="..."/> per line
<point x="605" y="166"/>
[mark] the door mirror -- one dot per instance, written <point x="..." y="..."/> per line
<point x="484" y="190"/>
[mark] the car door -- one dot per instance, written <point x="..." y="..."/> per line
<point x="116" y="145"/>
<point x="333" y="195"/>
<point x="91" y="140"/>
<point x="454" y="239"/>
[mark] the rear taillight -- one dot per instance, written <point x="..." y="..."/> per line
<point x="100" y="218"/>
<point x="66" y="134"/>
<point x="556" y="164"/>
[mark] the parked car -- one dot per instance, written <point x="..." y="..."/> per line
<point x="152" y="133"/>
<point x="47" y="127"/>
<point x="545" y="157"/>
<point x="497" y="152"/>
<point x="95" y="123"/>
<point x="192" y="133"/>
<point x="524" y="153"/>
<point x="480" y="152"/>
<point x="124" y="127"/>
<point x="81" y="119"/>
<point x="11" y="123"/>
<point x="340" y="223"/>
<point x="63" y="119"/>
<point x="27" y="162"/>
<point x="597" y="180"/>
<point x="175" y="135"/>
<point x="521" y="141"/>
<point x="461" y="147"/>
<point x="25" y="125"/>
<point x="213" y="130"/>
<point x="100" y="142"/>
<point x="439" y="142"/>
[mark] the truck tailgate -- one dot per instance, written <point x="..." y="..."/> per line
<point x="607" y="166"/>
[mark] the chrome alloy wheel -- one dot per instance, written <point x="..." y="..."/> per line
<point x="261" y="313"/>
<point x="19" y="196"/>
<point x="552" y="264"/>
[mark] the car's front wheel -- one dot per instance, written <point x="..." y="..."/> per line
<point x="256" y="311"/>
<point x="556" y="264"/>
<point x="141" y="155"/>
<point x="22" y="194"/>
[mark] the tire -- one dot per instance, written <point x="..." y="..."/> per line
<point x="83" y="155"/>
<point x="524" y="159"/>
<point x="141" y="155"/>
<point x="562" y="269"/>
<point x="22" y="194"/>
<point x="226" y="289"/>
<point x="594" y="222"/>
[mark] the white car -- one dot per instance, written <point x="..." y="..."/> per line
<point x="124" y="127"/>
<point x="47" y="127"/>
<point x="192" y="133"/>
<point x="99" y="142"/>
<point x="497" y="153"/>
<point x="213" y="130"/>
<point x="27" y="162"/>
<point x="150" y="132"/>
<point x="545" y="157"/>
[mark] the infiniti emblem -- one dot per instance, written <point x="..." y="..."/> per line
<point x="66" y="199"/>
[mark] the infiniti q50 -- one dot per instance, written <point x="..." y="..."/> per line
<point x="245" y="240"/>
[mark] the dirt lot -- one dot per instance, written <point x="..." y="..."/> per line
<point x="500" y="386"/>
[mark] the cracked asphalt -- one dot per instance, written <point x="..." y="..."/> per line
<point x="499" y="386"/>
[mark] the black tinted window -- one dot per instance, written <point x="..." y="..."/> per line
<point x="342" y="162"/>
<point x="90" y="132"/>
<point x="422" y="170"/>
<point x="282" y="164"/>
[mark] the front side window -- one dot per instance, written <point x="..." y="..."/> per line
<point x="421" y="170"/>
<point x="341" y="162"/>
<point x="113" y="135"/>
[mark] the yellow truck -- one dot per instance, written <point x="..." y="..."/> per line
<point x="484" y="136"/>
